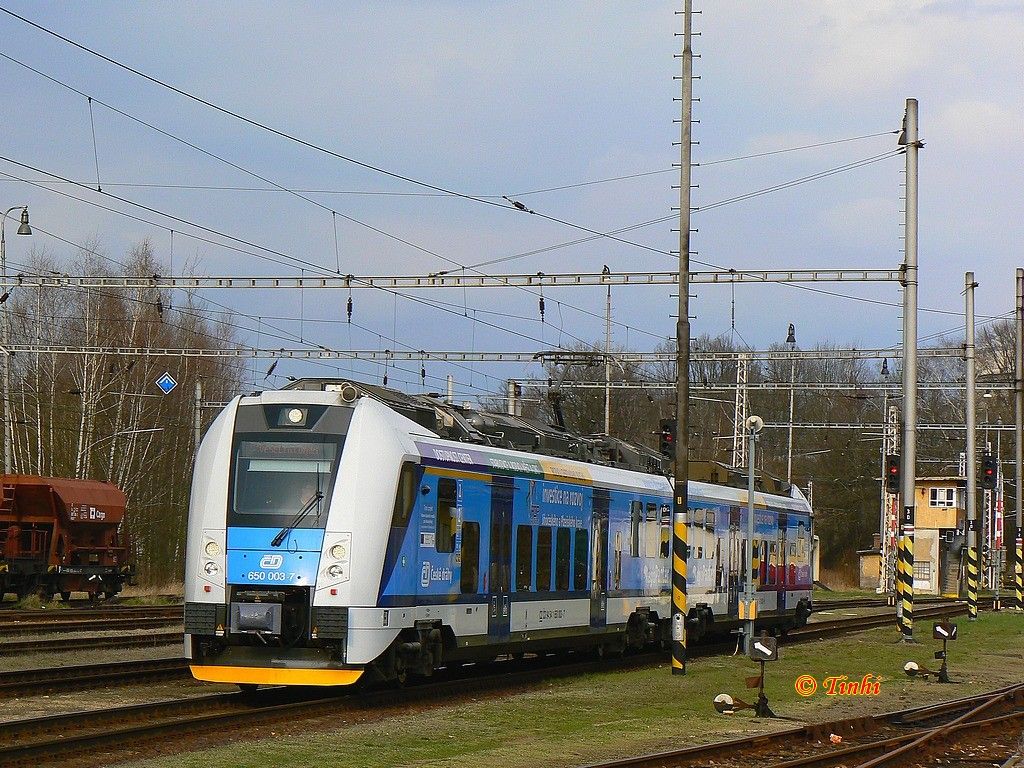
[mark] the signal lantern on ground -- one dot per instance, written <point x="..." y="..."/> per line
<point x="988" y="471"/>
<point x="667" y="437"/>
<point x="892" y="473"/>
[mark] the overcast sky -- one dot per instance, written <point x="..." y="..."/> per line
<point x="497" y="99"/>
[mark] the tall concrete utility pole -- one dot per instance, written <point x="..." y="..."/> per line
<point x="1018" y="471"/>
<point x="908" y="471"/>
<point x="679" y="497"/>
<point x="197" y="416"/>
<point x="970" y="463"/>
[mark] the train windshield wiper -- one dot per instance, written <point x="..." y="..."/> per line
<point x="313" y="501"/>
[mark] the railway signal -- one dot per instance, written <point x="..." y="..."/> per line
<point x="988" y="471"/>
<point x="667" y="437"/>
<point x="944" y="631"/>
<point x="892" y="473"/>
<point x="762" y="649"/>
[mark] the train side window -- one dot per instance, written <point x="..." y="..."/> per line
<point x="543" y="573"/>
<point x="562" y="541"/>
<point x="636" y="513"/>
<point x="405" y="498"/>
<point x="446" y="515"/>
<point x="709" y="520"/>
<point x="666" y="530"/>
<point x="580" y="556"/>
<point x="651" y="531"/>
<point x="469" y="578"/>
<point x="524" y="557"/>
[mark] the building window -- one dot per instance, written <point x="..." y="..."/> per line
<point x="923" y="571"/>
<point x="942" y="497"/>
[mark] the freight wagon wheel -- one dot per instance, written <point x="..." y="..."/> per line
<point x="248" y="689"/>
<point x="65" y="596"/>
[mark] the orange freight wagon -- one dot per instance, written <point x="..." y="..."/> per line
<point x="59" y="535"/>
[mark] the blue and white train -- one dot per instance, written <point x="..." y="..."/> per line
<point x="331" y="538"/>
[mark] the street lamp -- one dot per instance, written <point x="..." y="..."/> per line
<point x="791" y="341"/>
<point x="5" y="333"/>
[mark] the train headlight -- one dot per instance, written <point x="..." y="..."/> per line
<point x="211" y="568"/>
<point x="296" y="415"/>
<point x="212" y="549"/>
<point x="339" y="552"/>
<point x="335" y="571"/>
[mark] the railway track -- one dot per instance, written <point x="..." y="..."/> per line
<point x="58" y="615"/>
<point x="8" y="648"/>
<point x="29" y="682"/>
<point x="87" y="735"/>
<point x="908" y="737"/>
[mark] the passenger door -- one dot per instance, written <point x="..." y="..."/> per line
<point x="500" y="560"/>
<point x="736" y="557"/>
<point x="599" y="560"/>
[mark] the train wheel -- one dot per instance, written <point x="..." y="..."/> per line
<point x="109" y="595"/>
<point x="65" y="596"/>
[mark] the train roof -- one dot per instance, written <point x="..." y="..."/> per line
<point x="582" y="455"/>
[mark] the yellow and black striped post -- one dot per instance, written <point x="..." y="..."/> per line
<point x="679" y="556"/>
<point x="1018" y="567"/>
<point x="907" y="597"/>
<point x="898" y="582"/>
<point x="972" y="583"/>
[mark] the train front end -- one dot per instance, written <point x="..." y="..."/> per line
<point x="261" y="541"/>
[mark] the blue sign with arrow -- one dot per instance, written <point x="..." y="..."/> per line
<point x="166" y="383"/>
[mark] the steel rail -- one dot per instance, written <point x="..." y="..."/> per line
<point x="28" y="682"/>
<point x="79" y="643"/>
<point x="8" y="628"/>
<point x="818" y="731"/>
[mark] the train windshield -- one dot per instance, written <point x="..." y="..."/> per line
<point x="275" y="478"/>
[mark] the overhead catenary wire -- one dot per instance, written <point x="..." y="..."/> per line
<point x="236" y="166"/>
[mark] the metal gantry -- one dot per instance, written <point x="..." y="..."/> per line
<point x="559" y="356"/>
<point x="457" y="279"/>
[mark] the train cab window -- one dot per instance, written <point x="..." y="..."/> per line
<point x="562" y="542"/>
<point x="636" y="514"/>
<point x="580" y="556"/>
<point x="524" y="558"/>
<point x="405" y="498"/>
<point x="447" y="515"/>
<point x="543" y="573"/>
<point x="469" y="579"/>
<point x="651" y="531"/>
